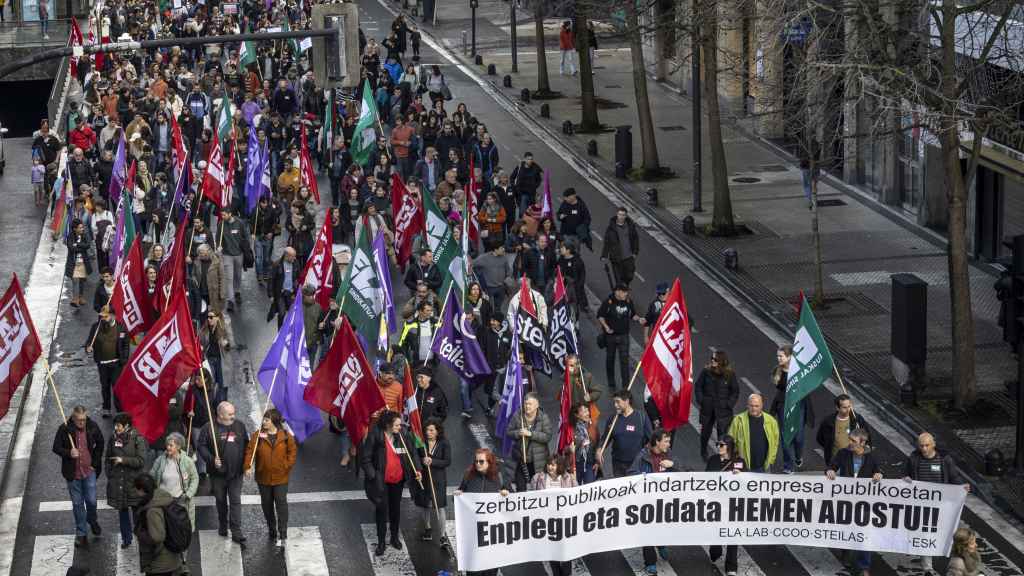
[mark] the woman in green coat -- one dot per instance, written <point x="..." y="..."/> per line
<point x="175" y="472"/>
<point x="126" y="455"/>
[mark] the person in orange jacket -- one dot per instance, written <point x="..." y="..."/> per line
<point x="274" y="449"/>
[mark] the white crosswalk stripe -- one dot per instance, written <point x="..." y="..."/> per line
<point x="817" y="560"/>
<point x="53" y="555"/>
<point x="635" y="559"/>
<point x="304" y="552"/>
<point x="128" y="560"/>
<point x="393" y="562"/>
<point x="219" y="555"/>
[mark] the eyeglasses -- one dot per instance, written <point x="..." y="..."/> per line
<point x="481" y="461"/>
<point x="720" y="444"/>
<point x="212" y="317"/>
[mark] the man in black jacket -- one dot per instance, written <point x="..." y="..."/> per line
<point x="266" y="226"/>
<point x="526" y="178"/>
<point x="284" y="280"/>
<point x="834" y="432"/>
<point x="574" y="218"/>
<point x="430" y="397"/>
<point x="108" y="344"/>
<point x="621" y="246"/>
<point x="79" y="443"/>
<point x="226" y="464"/>
<point x="424" y="270"/>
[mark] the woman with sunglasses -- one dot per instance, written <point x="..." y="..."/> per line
<point x="726" y="460"/>
<point x="716" y="391"/>
<point x="483" y="477"/>
<point x="215" y="338"/>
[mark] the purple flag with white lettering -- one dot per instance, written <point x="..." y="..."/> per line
<point x="119" y="173"/>
<point x="380" y="256"/>
<point x="455" y="343"/>
<point x="512" y="392"/>
<point x="284" y="373"/>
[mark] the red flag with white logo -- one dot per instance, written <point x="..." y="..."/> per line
<point x="165" y="358"/>
<point x="319" y="272"/>
<point x="408" y="217"/>
<point x="473" y="203"/>
<point x="526" y="298"/>
<point x="344" y="384"/>
<point x="306" y="167"/>
<point x="75" y="38"/>
<point x="215" y="178"/>
<point x="172" y="270"/>
<point x="130" y="300"/>
<point x="19" y="343"/>
<point x="667" y="361"/>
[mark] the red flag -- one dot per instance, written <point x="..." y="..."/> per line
<point x="408" y="219"/>
<point x="668" y="361"/>
<point x="344" y="385"/>
<point x="306" y="167"/>
<point x="318" y="272"/>
<point x="472" y="201"/>
<point x="180" y="154"/>
<point x="130" y="299"/>
<point x="564" y="424"/>
<point x="214" y="178"/>
<point x="172" y="270"/>
<point x="19" y="343"/>
<point x="165" y="358"/>
<point x="526" y="298"/>
<point x="410" y="407"/>
<point x="75" y="38"/>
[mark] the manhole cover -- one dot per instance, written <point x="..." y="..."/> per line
<point x="749" y="180"/>
<point x="672" y="128"/>
<point x="830" y="202"/>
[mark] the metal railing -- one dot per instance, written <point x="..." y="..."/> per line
<point x="56" y="106"/>
<point x="23" y="34"/>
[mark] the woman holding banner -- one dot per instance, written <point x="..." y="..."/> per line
<point x="855" y="461"/>
<point x="483" y="477"/>
<point x="726" y="460"/>
<point x="436" y="456"/>
<point x="653" y="458"/>
<point x="555" y="475"/>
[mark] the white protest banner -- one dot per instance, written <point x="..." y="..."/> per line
<point x="704" y="508"/>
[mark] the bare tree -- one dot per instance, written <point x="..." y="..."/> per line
<point x="651" y="166"/>
<point x="543" y="84"/>
<point x="707" y="29"/>
<point x="589" y="121"/>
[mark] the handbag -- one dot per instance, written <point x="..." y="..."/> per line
<point x="248" y="259"/>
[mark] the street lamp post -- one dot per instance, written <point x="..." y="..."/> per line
<point x="473" y="5"/>
<point x="515" y="47"/>
<point x="695" y="96"/>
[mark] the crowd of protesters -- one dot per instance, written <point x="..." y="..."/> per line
<point x="435" y="148"/>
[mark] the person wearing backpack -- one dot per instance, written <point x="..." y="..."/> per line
<point x="126" y="452"/>
<point x="175" y="474"/>
<point x="151" y="529"/>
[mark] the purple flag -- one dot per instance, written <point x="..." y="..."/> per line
<point x="120" y="171"/>
<point x="180" y="190"/>
<point x="123" y="206"/>
<point x="254" y="171"/>
<point x="380" y="253"/>
<point x="455" y="342"/>
<point x="512" y="393"/>
<point x="286" y="370"/>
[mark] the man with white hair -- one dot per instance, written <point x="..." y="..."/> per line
<point x="225" y="464"/>
<point x="756" y="434"/>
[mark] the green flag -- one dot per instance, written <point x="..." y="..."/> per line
<point x="365" y="135"/>
<point x="129" y="221"/>
<point x="327" y="132"/>
<point x="445" y="244"/>
<point x="809" y="367"/>
<point x="246" y="54"/>
<point x="224" y="124"/>
<point x="361" y="289"/>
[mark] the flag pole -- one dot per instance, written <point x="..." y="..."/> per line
<point x="433" y="337"/>
<point x="56" y="396"/>
<point x="408" y="455"/>
<point x="615" y="418"/>
<point x="93" y="340"/>
<point x="206" y="395"/>
<point x="188" y="439"/>
<point x="269" y="392"/>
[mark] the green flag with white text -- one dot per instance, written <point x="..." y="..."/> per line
<point x="365" y="135"/>
<point x="224" y="124"/>
<point x="809" y="367"/>
<point x="246" y="54"/>
<point x="361" y="289"/>
<point x="446" y="247"/>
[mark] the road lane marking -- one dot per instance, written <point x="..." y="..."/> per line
<point x="304" y="552"/>
<point x="247" y="499"/>
<point x="219" y="555"/>
<point x="750" y="385"/>
<point x="53" y="555"/>
<point x="393" y="562"/>
<point x="128" y="560"/>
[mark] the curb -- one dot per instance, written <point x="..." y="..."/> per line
<point x="892" y="414"/>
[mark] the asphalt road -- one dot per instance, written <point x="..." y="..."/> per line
<point x="332" y="522"/>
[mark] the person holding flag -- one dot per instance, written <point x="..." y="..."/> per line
<point x="108" y="344"/>
<point x="436" y="455"/>
<point x="387" y="465"/>
<point x="271" y="453"/>
<point x="792" y="451"/>
<point x="531" y="428"/>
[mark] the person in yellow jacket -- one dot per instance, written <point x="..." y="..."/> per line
<point x="756" y="434"/>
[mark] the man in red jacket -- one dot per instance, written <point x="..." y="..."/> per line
<point x="567" y="45"/>
<point x="82" y="136"/>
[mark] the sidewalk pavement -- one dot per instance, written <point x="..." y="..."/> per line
<point x="864" y="243"/>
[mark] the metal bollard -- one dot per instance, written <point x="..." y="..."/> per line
<point x="732" y="259"/>
<point x="689" y="228"/>
<point x="478" y="60"/>
<point x="620" y="170"/>
<point x="507" y="81"/>
<point x="652" y="196"/>
<point x="525" y="95"/>
<point x="465" y="41"/>
<point x="492" y="70"/>
<point x="592" y="147"/>
<point x="545" y="110"/>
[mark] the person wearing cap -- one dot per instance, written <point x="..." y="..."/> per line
<point x="430" y="397"/>
<point x="615" y="315"/>
<point x="574" y="218"/>
<point x="621" y="246"/>
<point x="654" y="309"/>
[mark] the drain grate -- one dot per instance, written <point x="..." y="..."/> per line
<point x="672" y="128"/>
<point x="830" y="202"/>
<point x="747" y="180"/>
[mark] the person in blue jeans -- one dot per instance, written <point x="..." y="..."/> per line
<point x="79" y="443"/>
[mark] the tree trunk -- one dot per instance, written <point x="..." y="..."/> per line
<point x="651" y="165"/>
<point x="722" y="223"/>
<point x="819" y="261"/>
<point x="964" y="383"/>
<point x="543" y="84"/>
<point x="588" y="121"/>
